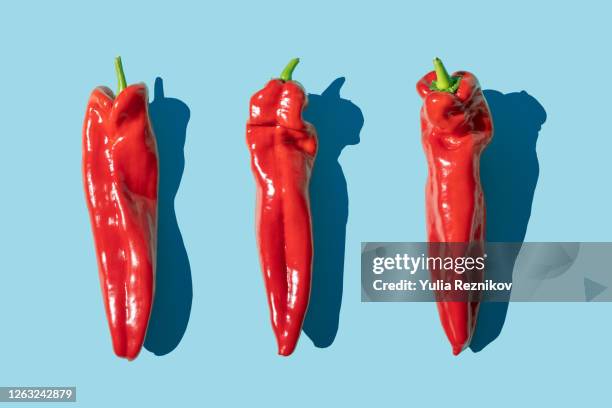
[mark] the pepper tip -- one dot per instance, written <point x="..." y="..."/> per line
<point x="285" y="350"/>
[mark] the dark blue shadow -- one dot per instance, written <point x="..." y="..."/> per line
<point x="509" y="174"/>
<point x="338" y="122"/>
<point x="173" y="290"/>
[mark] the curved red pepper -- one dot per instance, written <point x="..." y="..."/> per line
<point x="456" y="126"/>
<point x="283" y="148"/>
<point x="120" y="174"/>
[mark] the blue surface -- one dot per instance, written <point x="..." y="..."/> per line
<point x="212" y="58"/>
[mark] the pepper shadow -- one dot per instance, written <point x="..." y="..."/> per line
<point x="509" y="172"/>
<point x="338" y="122"/>
<point x="173" y="287"/>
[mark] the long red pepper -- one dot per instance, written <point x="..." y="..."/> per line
<point x="120" y="175"/>
<point x="456" y="126"/>
<point x="283" y="148"/>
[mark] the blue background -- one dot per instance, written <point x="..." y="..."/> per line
<point x="213" y="58"/>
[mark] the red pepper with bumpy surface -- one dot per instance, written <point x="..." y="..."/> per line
<point x="456" y="126"/>
<point x="120" y="175"/>
<point x="283" y="148"/>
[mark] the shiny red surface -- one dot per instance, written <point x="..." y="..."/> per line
<point x="120" y="175"/>
<point x="283" y="148"/>
<point x="455" y="130"/>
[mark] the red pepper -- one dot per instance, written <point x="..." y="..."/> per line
<point x="120" y="175"/>
<point x="283" y="148"/>
<point x="456" y="126"/>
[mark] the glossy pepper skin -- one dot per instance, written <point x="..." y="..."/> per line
<point x="120" y="175"/>
<point x="456" y="126"/>
<point x="283" y="148"/>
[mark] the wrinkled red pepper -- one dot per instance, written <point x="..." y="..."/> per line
<point x="120" y="174"/>
<point x="283" y="147"/>
<point x="456" y="126"/>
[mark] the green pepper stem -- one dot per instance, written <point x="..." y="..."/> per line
<point x="288" y="71"/>
<point x="443" y="80"/>
<point x="120" y="75"/>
